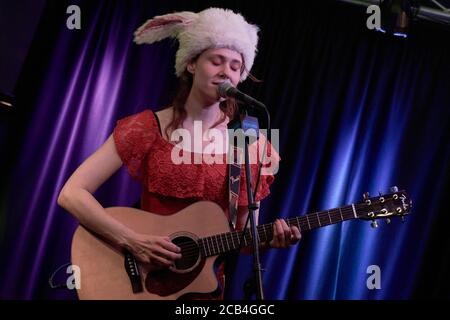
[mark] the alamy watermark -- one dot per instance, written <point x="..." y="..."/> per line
<point x="74" y="20"/>
<point x="374" y="280"/>
<point x="190" y="149"/>
<point x="74" y="280"/>
<point x="374" y="20"/>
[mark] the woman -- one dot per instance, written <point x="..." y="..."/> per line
<point x="216" y="45"/>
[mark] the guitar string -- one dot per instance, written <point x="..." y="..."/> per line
<point x="193" y="248"/>
<point x="190" y="249"/>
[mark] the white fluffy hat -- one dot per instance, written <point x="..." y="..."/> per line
<point x="196" y="32"/>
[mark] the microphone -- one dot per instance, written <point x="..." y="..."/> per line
<point x="226" y="90"/>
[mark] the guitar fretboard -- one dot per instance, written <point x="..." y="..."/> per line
<point x="225" y="242"/>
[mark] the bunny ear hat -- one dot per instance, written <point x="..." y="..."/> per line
<point x="196" y="32"/>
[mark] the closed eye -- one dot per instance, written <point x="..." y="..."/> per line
<point x="234" y="65"/>
<point x="216" y="62"/>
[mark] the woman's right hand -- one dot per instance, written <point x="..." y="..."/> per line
<point x="154" y="250"/>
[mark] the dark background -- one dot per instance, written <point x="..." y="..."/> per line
<point x="357" y="111"/>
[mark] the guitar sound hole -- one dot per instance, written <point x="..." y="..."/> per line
<point x="189" y="252"/>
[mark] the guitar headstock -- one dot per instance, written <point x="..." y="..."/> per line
<point x="394" y="204"/>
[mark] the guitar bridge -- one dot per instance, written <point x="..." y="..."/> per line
<point x="133" y="273"/>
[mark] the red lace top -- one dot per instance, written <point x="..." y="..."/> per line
<point x="169" y="187"/>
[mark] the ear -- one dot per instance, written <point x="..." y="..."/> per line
<point x="191" y="67"/>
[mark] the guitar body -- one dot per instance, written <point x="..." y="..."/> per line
<point x="102" y="271"/>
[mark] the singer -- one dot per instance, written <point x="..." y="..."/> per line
<point x="216" y="45"/>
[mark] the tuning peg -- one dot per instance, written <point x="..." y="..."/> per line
<point x="374" y="224"/>
<point x="366" y="198"/>
<point x="381" y="197"/>
<point x="388" y="221"/>
<point x="394" y="189"/>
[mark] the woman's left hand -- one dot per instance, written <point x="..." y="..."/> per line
<point x="283" y="236"/>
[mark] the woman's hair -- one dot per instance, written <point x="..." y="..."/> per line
<point x="228" y="107"/>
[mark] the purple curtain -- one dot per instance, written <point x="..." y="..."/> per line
<point x="93" y="77"/>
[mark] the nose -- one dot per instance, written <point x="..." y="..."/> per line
<point x="225" y="72"/>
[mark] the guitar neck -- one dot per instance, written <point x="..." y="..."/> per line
<point x="225" y="242"/>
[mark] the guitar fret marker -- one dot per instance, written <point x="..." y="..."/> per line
<point x="318" y="218"/>
<point x="354" y="212"/>
<point x="329" y="216"/>
<point x="307" y="220"/>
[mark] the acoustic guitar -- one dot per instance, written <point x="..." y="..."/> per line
<point x="202" y="232"/>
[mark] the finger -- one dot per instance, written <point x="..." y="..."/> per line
<point x="296" y="234"/>
<point x="154" y="258"/>
<point x="167" y="244"/>
<point x="274" y="241"/>
<point x="278" y="233"/>
<point x="169" y="255"/>
<point x="287" y="231"/>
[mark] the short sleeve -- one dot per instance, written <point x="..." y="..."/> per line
<point x="268" y="171"/>
<point x="133" y="137"/>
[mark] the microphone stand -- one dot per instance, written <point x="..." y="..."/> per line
<point x="252" y="207"/>
<point x="246" y="122"/>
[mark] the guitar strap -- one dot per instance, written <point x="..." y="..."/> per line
<point x="234" y="159"/>
<point x="234" y="179"/>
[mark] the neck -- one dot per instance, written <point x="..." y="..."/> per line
<point x="199" y="110"/>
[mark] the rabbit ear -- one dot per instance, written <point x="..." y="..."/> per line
<point x="162" y="27"/>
